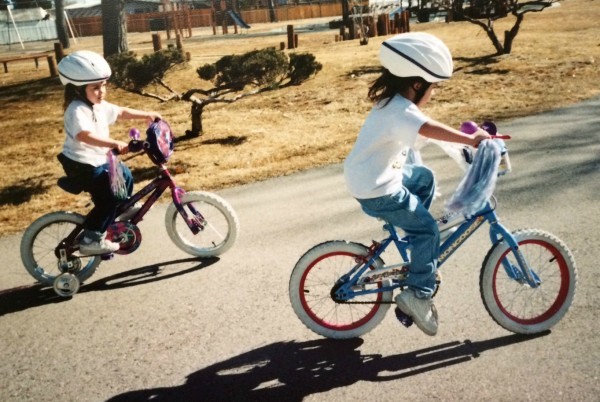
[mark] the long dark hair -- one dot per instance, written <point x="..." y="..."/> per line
<point x="72" y="93"/>
<point x="387" y="85"/>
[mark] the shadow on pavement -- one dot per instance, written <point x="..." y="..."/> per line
<point x="147" y="274"/>
<point x="291" y="371"/>
<point x="26" y="297"/>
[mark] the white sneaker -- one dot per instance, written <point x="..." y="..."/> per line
<point x="422" y="311"/>
<point x="130" y="213"/>
<point x="99" y="247"/>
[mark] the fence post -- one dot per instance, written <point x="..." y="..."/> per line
<point x="58" y="51"/>
<point x="373" y="27"/>
<point x="156" y="42"/>
<point x="179" y="42"/>
<point x="406" y="18"/>
<point x="290" y="34"/>
<point x="52" y="66"/>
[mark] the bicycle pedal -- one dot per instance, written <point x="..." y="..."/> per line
<point x="404" y="319"/>
<point x="106" y="257"/>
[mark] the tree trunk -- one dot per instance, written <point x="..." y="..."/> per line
<point x="509" y="36"/>
<point x="114" y="27"/>
<point x="272" y="14"/>
<point x="495" y="41"/>
<point x="61" y="25"/>
<point x="345" y="12"/>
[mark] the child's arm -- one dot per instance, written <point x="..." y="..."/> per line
<point x="438" y="131"/>
<point x="92" y="139"/>
<point x="128" y="113"/>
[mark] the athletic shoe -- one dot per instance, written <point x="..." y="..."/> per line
<point x="102" y="246"/>
<point x="422" y="311"/>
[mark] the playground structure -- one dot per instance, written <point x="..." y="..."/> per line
<point x="225" y="13"/>
<point x="177" y="16"/>
<point x="369" y="18"/>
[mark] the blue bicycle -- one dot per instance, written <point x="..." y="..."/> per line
<point x="342" y="289"/>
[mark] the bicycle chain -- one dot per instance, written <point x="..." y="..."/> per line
<point x="364" y="302"/>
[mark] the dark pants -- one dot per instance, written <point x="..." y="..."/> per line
<point x="95" y="180"/>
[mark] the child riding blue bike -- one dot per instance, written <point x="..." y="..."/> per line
<point x="384" y="171"/>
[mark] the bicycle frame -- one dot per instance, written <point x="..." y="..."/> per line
<point x="346" y="286"/>
<point x="154" y="189"/>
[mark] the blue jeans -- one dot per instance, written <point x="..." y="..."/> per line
<point x="95" y="181"/>
<point x="408" y="209"/>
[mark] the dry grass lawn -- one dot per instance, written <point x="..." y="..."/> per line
<point x="554" y="63"/>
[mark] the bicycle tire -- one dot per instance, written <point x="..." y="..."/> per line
<point x="40" y="240"/>
<point x="513" y="304"/>
<point x="311" y="282"/>
<point x="221" y="226"/>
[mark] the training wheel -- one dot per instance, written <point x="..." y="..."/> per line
<point x="66" y="285"/>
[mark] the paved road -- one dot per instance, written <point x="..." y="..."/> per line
<point x="159" y="325"/>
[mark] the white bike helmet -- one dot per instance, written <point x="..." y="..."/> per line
<point x="83" y="67"/>
<point x="417" y="54"/>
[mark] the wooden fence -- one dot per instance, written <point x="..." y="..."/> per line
<point x="182" y="19"/>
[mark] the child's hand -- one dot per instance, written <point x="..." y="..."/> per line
<point x="121" y="147"/>
<point x="153" y="116"/>
<point x="479" y="136"/>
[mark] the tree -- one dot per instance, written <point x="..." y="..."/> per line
<point x="61" y="24"/>
<point x="485" y="12"/>
<point x="233" y="77"/>
<point x="114" y="27"/>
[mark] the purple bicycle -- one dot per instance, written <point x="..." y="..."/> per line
<point x="200" y="223"/>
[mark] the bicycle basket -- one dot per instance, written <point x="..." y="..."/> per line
<point x="160" y="140"/>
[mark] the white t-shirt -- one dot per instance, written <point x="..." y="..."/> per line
<point x="374" y="166"/>
<point x="80" y="117"/>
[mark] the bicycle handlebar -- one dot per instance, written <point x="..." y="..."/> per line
<point x="501" y="137"/>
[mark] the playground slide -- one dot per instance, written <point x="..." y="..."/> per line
<point x="238" y="19"/>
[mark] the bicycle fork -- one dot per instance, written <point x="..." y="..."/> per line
<point x="521" y="272"/>
<point x="196" y="222"/>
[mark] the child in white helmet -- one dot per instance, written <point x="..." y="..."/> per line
<point x="87" y="117"/>
<point x="383" y="170"/>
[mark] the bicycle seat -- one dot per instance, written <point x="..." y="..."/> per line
<point x="69" y="185"/>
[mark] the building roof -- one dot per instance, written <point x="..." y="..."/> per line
<point x="95" y="9"/>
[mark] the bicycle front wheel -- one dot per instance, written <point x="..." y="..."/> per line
<point x="310" y="289"/>
<point x="39" y="243"/>
<point x="216" y="219"/>
<point x="508" y="298"/>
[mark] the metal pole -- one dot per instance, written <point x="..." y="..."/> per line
<point x="70" y="27"/>
<point x="15" y="25"/>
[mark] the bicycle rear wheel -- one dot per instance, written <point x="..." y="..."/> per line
<point x="218" y="222"/>
<point x="310" y="289"/>
<point x="510" y="301"/>
<point x="40" y="240"/>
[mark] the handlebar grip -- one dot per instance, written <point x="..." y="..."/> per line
<point x="136" y="145"/>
